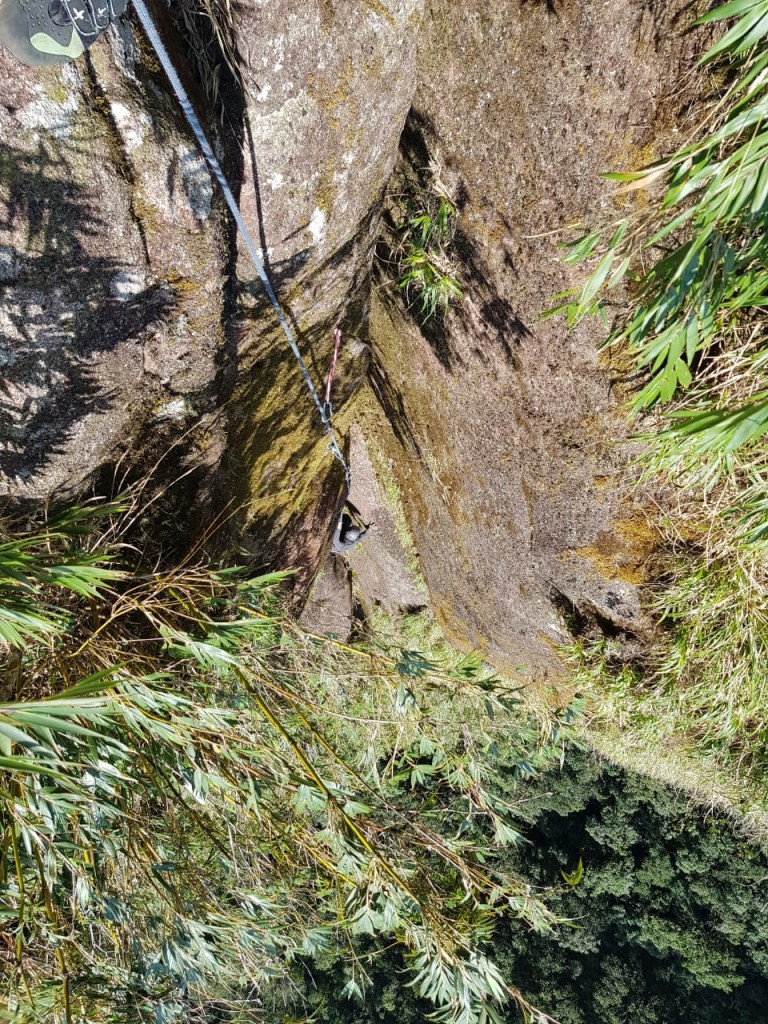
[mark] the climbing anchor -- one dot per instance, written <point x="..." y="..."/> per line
<point x="350" y="530"/>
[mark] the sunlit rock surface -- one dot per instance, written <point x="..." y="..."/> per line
<point x="507" y="431"/>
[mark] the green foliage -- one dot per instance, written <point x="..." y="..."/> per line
<point x="696" y="256"/>
<point x="667" y="923"/>
<point x="702" y="687"/>
<point x="50" y="558"/>
<point x="426" y="224"/>
<point x="667" y="919"/>
<point x="193" y="794"/>
<point x="683" y="278"/>
<point x="575" y="876"/>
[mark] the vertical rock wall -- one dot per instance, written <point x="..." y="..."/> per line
<point x="111" y="292"/>
<point x="130" y="321"/>
<point x="328" y="87"/>
<point x="510" y="442"/>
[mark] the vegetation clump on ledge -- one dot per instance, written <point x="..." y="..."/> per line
<point x="423" y="225"/>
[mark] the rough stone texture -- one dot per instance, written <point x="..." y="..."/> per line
<point x="111" y="296"/>
<point x="122" y="330"/>
<point x="130" y="321"/>
<point x="330" y="610"/>
<point x="513" y="455"/>
<point x="380" y="564"/>
<point x="328" y="89"/>
<point x="377" y="571"/>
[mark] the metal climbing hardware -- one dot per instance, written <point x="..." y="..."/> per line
<point x="350" y="530"/>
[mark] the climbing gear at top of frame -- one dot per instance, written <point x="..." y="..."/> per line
<point x="54" y="31"/>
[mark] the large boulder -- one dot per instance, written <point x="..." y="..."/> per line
<point x="132" y="326"/>
<point x="113" y="269"/>
<point x="327" y="89"/>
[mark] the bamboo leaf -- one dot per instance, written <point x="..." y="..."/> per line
<point x="597" y="278"/>
<point x="728" y="10"/>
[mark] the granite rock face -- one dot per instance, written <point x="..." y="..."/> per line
<point x="132" y="326"/>
<point x="508" y="431"/>
<point x="327" y="87"/>
<point x="111" y="295"/>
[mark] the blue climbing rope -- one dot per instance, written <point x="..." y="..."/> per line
<point x="159" y="47"/>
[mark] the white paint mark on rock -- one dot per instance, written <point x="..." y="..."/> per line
<point x="317" y="225"/>
<point x="176" y="409"/>
<point x="263" y="94"/>
<point x="51" y="116"/>
<point x="131" y="124"/>
<point x="126" y="284"/>
<point x="278" y="46"/>
<point x="196" y="181"/>
<point x="275" y="181"/>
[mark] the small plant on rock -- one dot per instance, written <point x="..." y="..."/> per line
<point x="421" y="255"/>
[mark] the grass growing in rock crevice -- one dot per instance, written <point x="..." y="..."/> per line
<point x="696" y="701"/>
<point x="422" y="223"/>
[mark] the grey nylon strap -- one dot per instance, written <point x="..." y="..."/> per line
<point x="162" y="54"/>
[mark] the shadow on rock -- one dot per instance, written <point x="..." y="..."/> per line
<point x="283" y="451"/>
<point x="486" y="316"/>
<point x="61" y="306"/>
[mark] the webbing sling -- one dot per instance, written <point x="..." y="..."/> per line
<point x="162" y="54"/>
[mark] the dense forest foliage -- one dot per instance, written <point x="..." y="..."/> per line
<point x="666" y="903"/>
<point x="194" y="792"/>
